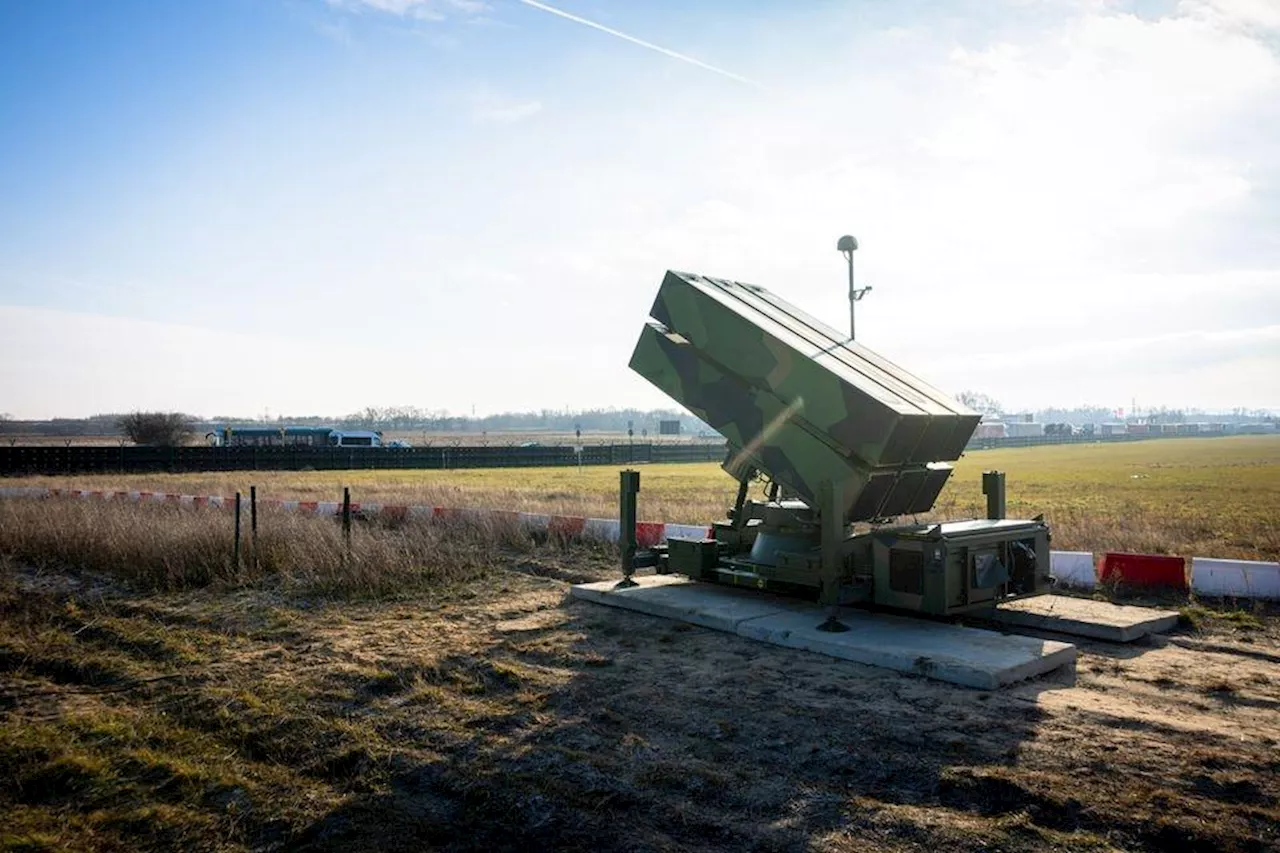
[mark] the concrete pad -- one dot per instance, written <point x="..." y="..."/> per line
<point x="966" y="656"/>
<point x="677" y="597"/>
<point x="1102" y="620"/>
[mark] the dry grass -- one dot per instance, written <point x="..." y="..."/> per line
<point x="1209" y="497"/>
<point x="167" y="547"/>
<point x="1215" y="497"/>
<point x="490" y="714"/>
<point x="434" y="690"/>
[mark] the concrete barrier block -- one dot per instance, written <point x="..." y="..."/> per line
<point x="602" y="529"/>
<point x="566" y="526"/>
<point x="650" y="533"/>
<point x="535" y="521"/>
<point x="1144" y="570"/>
<point x="1073" y="568"/>
<point x="1240" y="578"/>
<point x="687" y="531"/>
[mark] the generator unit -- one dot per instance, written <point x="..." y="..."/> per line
<point x="846" y="447"/>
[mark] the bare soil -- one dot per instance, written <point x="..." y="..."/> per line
<point x="502" y="715"/>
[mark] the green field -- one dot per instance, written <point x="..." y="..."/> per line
<point x="1198" y="496"/>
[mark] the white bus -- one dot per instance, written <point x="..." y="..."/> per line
<point x="355" y="438"/>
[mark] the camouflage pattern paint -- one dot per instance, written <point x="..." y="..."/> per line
<point x="742" y="359"/>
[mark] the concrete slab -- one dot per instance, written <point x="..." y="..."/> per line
<point x="1102" y="620"/>
<point x="677" y="597"/>
<point x="967" y="656"/>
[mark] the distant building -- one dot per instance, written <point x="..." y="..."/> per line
<point x="989" y="429"/>
<point x="291" y="436"/>
<point x="1023" y="429"/>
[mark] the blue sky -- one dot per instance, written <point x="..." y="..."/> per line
<point x="313" y="206"/>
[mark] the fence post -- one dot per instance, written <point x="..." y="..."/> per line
<point x="346" y="518"/>
<point x="236" y="558"/>
<point x="253" y="526"/>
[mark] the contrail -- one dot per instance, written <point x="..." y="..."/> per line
<point x="664" y="51"/>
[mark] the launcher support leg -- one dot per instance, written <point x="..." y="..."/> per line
<point x="832" y="519"/>
<point x="739" y="520"/>
<point x="629" y="487"/>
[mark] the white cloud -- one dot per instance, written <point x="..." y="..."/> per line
<point x="492" y="107"/>
<point x="1259" y="13"/>
<point x="58" y="363"/>
<point x="422" y="10"/>
<point x="1067" y="204"/>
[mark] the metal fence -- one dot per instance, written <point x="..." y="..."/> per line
<point x="86" y="459"/>
<point x="1036" y="440"/>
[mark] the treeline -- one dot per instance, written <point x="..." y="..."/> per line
<point x="412" y="418"/>
<point x="1162" y="415"/>
<point x="545" y="420"/>
<point x="1086" y="414"/>
<point x="617" y="421"/>
<point x="108" y="424"/>
<point x="405" y="418"/>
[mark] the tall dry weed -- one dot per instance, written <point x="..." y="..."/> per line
<point x="167" y="547"/>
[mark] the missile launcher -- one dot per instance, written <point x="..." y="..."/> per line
<point x="839" y="436"/>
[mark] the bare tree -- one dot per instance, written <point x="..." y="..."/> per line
<point x="163" y="429"/>
<point x="980" y="402"/>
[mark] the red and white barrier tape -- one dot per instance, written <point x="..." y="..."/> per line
<point x="648" y="533"/>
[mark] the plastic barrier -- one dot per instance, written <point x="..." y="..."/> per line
<point x="1073" y="568"/>
<point x="1238" y="578"/>
<point x="1148" y="570"/>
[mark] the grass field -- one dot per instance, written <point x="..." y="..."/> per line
<point x="491" y="713"/>
<point x="1215" y="497"/>
<point x="434" y="688"/>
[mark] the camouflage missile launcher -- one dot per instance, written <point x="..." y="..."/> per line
<point x="839" y="435"/>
